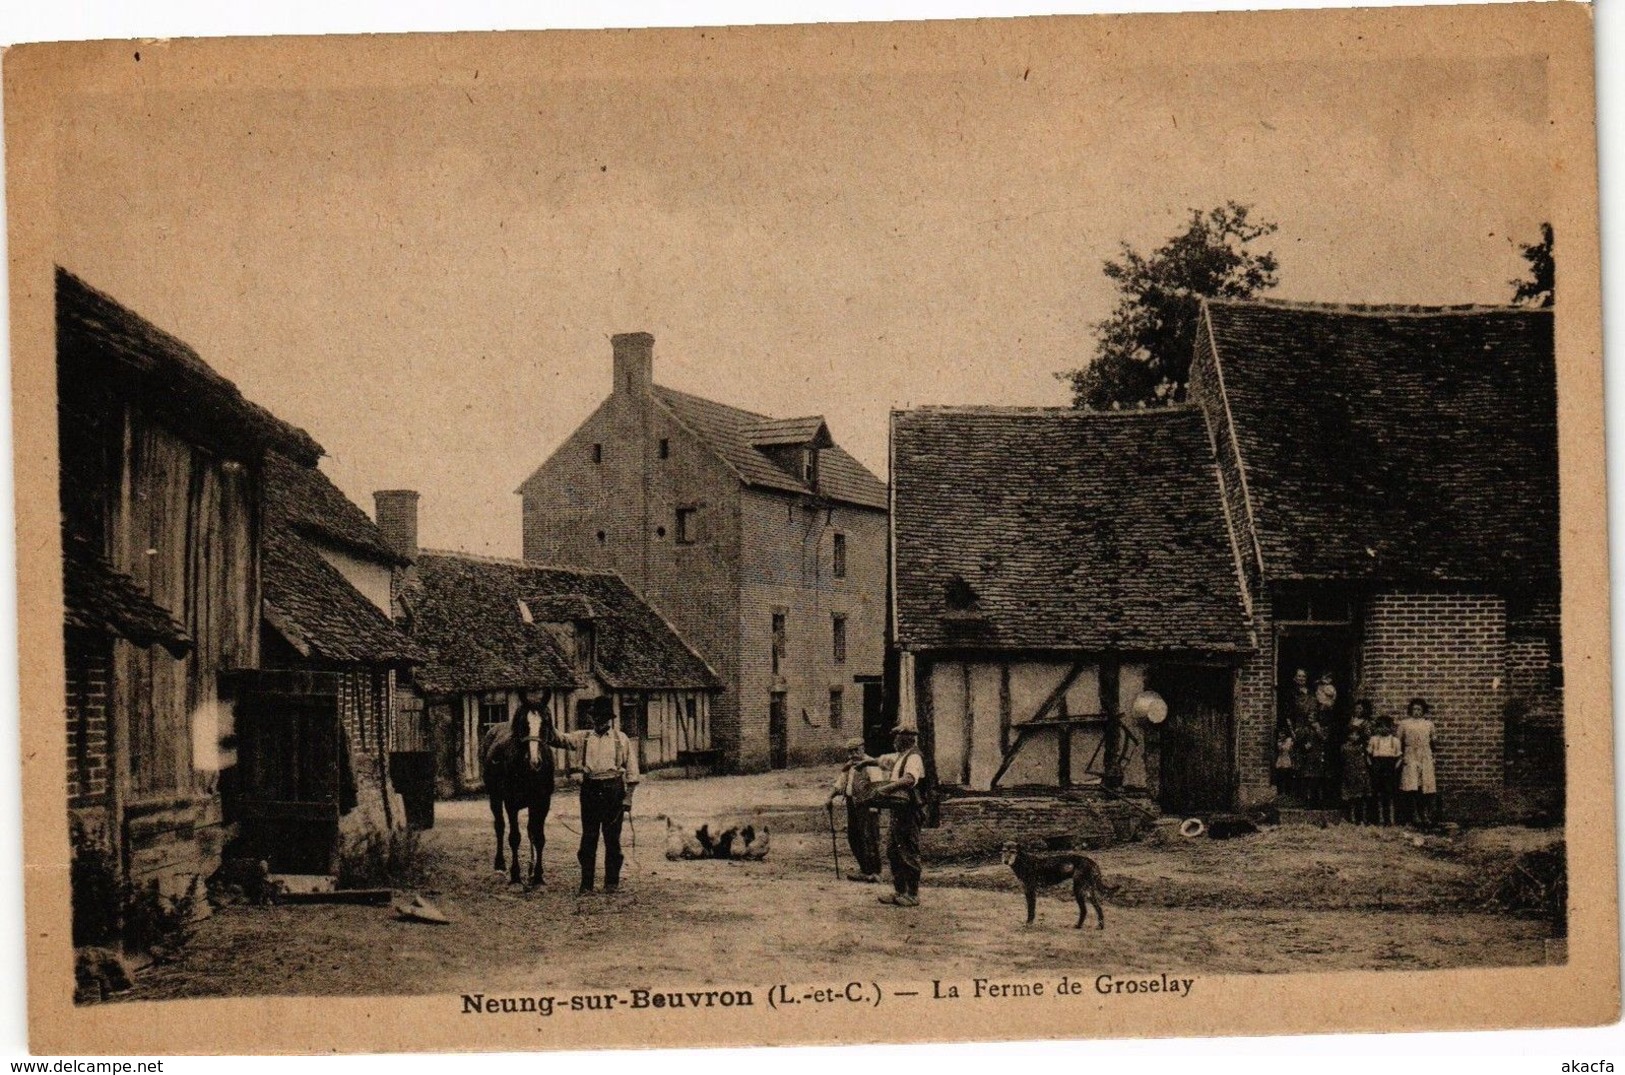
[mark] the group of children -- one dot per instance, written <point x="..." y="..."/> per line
<point x="1386" y="772"/>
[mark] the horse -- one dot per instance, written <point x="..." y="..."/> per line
<point x="518" y="770"/>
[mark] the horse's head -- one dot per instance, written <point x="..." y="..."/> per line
<point x="530" y="731"/>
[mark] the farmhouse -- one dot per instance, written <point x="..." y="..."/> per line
<point x="760" y="539"/>
<point x="496" y="629"/>
<point x="1368" y="493"/>
<point x="181" y="560"/>
<point x="330" y="648"/>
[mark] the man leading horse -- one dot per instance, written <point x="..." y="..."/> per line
<point x="609" y="766"/>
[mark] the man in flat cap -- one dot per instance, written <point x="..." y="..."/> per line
<point x="901" y="791"/>
<point x="609" y="772"/>
<point x="856" y="783"/>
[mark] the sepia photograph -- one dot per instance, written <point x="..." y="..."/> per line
<point x="1049" y="527"/>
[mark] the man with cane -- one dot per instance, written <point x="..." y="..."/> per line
<point x="857" y="778"/>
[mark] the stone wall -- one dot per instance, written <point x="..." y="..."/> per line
<point x="974" y="826"/>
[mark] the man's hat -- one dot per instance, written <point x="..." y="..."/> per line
<point x="905" y="729"/>
<point x="601" y="709"/>
<point x="854" y="744"/>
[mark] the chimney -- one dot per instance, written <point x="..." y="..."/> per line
<point x="397" y="511"/>
<point x="634" y="361"/>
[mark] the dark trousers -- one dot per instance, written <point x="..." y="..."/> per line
<point x="903" y="850"/>
<point x="601" y="812"/>
<point x="863" y="836"/>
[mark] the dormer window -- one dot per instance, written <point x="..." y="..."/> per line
<point x="957" y="595"/>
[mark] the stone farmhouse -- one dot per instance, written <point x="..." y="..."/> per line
<point x="759" y="539"/>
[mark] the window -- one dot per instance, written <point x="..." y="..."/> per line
<point x="778" y="642"/>
<point x="809" y="467"/>
<point x="665" y="448"/>
<point x="840" y="556"/>
<point x="837" y="706"/>
<point x="838" y="636"/>
<point x="597" y="453"/>
<point x="685" y="526"/>
<point x="493" y="711"/>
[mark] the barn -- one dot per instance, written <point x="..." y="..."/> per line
<point x="1050" y="566"/>
<point x="1366" y="493"/>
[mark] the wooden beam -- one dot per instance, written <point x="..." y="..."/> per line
<point x="967" y="737"/>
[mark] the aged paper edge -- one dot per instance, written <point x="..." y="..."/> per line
<point x="39" y="81"/>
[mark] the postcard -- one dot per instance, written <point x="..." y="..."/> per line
<point x="968" y="530"/>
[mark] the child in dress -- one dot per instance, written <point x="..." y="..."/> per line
<point x="1283" y="762"/>
<point x="1356" y="778"/>
<point x="1383" y="749"/>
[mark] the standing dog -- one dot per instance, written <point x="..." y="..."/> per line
<point x="1040" y="869"/>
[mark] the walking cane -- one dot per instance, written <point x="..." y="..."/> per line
<point x="834" y="846"/>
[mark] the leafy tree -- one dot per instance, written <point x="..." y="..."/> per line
<point x="1143" y="350"/>
<point x="1541" y="287"/>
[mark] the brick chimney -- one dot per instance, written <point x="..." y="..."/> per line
<point x="397" y="512"/>
<point x="634" y="361"/>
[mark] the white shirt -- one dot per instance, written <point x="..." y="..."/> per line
<point x="908" y="765"/>
<point x="603" y="755"/>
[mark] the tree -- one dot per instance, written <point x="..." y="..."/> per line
<point x="1541" y="287"/>
<point x="1143" y="350"/>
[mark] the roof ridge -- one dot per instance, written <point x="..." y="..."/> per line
<point x="757" y="415"/>
<point x="509" y="561"/>
<point x="1378" y="309"/>
<point x="997" y="411"/>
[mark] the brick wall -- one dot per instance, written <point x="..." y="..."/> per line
<point x="786" y="563"/>
<point x="1449" y="648"/>
<point x="631" y="496"/>
<point x="1255" y="714"/>
<point x="1534" y="714"/>
<point x="89" y="670"/>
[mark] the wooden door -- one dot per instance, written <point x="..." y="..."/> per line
<point x="294" y="779"/>
<point x="1197" y="741"/>
<point x="778" y="732"/>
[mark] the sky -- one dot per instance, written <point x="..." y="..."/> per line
<point x="424" y="270"/>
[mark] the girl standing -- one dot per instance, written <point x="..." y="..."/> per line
<point x="1416" y="761"/>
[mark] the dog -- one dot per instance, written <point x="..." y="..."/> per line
<point x="1040" y="869"/>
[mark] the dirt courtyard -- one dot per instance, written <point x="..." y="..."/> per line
<point x="1285" y="899"/>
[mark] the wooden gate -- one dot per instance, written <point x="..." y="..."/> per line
<point x="292" y="778"/>
<point x="1197" y="742"/>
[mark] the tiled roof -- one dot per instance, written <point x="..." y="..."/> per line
<point x="728" y="430"/>
<point x="98" y="598"/>
<point x="788" y="431"/>
<point x="303" y="499"/>
<point x="1395" y="443"/>
<point x="467" y="613"/>
<point x="97" y="337"/>
<point x="321" y="615"/>
<point x="1061" y="529"/>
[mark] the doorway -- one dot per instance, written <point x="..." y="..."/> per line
<point x="1196" y="744"/>
<point x="1317" y="650"/>
<point x="778" y="732"/>
<point x="876" y="736"/>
